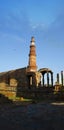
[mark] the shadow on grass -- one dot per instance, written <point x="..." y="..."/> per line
<point x="4" y="100"/>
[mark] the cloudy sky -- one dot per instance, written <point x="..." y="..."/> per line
<point x="22" y="19"/>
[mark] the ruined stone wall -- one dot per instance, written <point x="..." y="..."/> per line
<point x="14" y="81"/>
<point x="14" y="78"/>
<point x="18" y="78"/>
<point x="10" y="82"/>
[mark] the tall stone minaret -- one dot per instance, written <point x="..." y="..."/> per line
<point x="32" y="67"/>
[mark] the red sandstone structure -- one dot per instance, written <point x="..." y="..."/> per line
<point x="32" y="67"/>
<point x="28" y="77"/>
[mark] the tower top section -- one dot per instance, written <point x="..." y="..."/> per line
<point x="32" y="41"/>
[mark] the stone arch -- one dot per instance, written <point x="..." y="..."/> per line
<point x="31" y="80"/>
<point x="49" y="73"/>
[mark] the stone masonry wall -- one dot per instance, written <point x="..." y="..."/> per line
<point x="10" y="81"/>
<point x="14" y="81"/>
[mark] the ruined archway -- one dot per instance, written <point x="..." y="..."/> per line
<point x="49" y="75"/>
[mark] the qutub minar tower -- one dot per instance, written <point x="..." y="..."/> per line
<point x="32" y="67"/>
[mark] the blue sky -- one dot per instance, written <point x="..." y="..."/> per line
<point x="22" y="19"/>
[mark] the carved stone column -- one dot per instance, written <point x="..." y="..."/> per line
<point x="62" y="78"/>
<point x="58" y="78"/>
<point x="47" y="79"/>
<point x="52" y="79"/>
<point x="30" y="80"/>
<point x="43" y="79"/>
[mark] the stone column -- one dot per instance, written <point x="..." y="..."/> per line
<point x="52" y="79"/>
<point x="30" y="80"/>
<point x="62" y="78"/>
<point x="47" y="79"/>
<point x="43" y="79"/>
<point x="58" y="78"/>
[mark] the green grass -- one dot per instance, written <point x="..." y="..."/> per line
<point x="23" y="99"/>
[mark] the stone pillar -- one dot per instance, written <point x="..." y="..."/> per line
<point x="52" y="79"/>
<point x="30" y="80"/>
<point x="47" y="79"/>
<point x="58" y="78"/>
<point x="43" y="79"/>
<point x="62" y="78"/>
